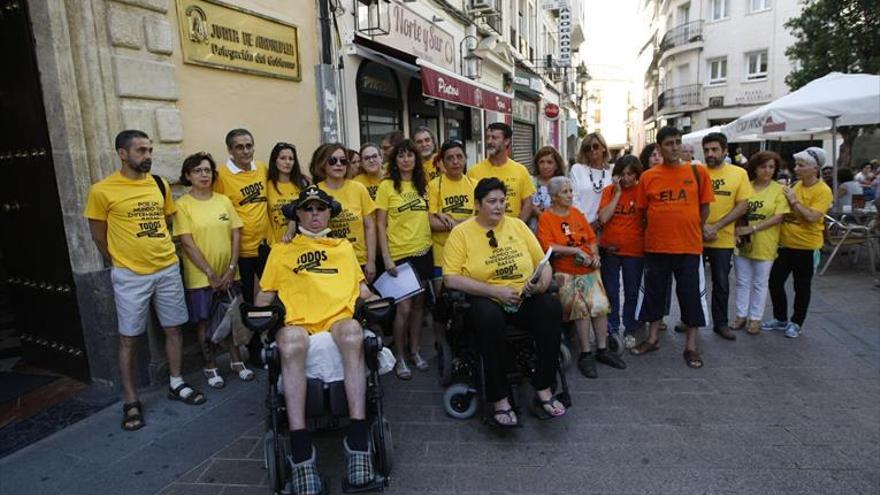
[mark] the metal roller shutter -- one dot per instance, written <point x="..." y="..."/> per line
<point x="523" y="143"/>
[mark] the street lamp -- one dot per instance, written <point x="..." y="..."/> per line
<point x="373" y="17"/>
<point x="471" y="64"/>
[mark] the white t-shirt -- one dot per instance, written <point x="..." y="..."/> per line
<point x="587" y="184"/>
<point x="849" y="188"/>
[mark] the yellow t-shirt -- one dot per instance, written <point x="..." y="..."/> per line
<point x="454" y="198"/>
<point x="409" y="231"/>
<point x="514" y="175"/>
<point x="371" y="183"/>
<point x="317" y="280"/>
<point x="731" y="185"/>
<point x="764" y="204"/>
<point x="356" y="204"/>
<point x="277" y="198"/>
<point x="247" y="191"/>
<point x="210" y="223"/>
<point x="797" y="233"/>
<point x="137" y="235"/>
<point x="432" y="171"/>
<point x="468" y="253"/>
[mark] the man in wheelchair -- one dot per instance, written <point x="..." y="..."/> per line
<point x="319" y="281"/>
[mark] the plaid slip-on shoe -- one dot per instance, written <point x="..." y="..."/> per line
<point x="304" y="477"/>
<point x="360" y="465"/>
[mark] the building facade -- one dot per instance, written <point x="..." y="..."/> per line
<point x="707" y="62"/>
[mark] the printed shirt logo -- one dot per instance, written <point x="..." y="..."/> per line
<point x="252" y="193"/>
<point x="625" y="209"/>
<point x="340" y="226"/>
<point x="412" y="202"/>
<point x="572" y="242"/>
<point x="311" y="262"/>
<point x="717" y="184"/>
<point x="149" y="219"/>
<point x="224" y="217"/>
<point x="457" y="204"/>
<point x="504" y="259"/>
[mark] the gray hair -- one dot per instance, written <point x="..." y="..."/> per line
<point x="554" y="185"/>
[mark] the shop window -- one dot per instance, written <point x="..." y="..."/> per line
<point x="423" y="111"/>
<point x="379" y="103"/>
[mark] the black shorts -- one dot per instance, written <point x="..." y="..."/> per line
<point x="423" y="264"/>
<point x="690" y="287"/>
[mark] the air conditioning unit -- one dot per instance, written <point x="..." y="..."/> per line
<point x="716" y="101"/>
<point x="482" y="5"/>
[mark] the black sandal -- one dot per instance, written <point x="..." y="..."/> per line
<point x="132" y="422"/>
<point x="195" y="398"/>
<point x="503" y="412"/>
<point x="539" y="409"/>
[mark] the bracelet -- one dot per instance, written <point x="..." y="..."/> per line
<point x="232" y="266"/>
<point x="754" y="228"/>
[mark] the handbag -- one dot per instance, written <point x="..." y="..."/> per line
<point x="224" y="315"/>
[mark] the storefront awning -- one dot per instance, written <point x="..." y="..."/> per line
<point x="384" y="59"/>
<point x="447" y="86"/>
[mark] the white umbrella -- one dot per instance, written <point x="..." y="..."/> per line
<point x="835" y="99"/>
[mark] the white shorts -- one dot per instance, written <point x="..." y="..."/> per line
<point x="133" y="294"/>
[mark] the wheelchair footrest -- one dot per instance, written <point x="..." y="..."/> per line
<point x="377" y="485"/>
<point x="315" y="405"/>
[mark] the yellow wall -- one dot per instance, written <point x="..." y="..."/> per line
<point x="213" y="101"/>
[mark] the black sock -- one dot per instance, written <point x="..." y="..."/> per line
<point x="300" y="446"/>
<point x="600" y="350"/>
<point x="584" y="354"/>
<point x="357" y="435"/>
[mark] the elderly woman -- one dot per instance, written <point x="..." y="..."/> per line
<point x="548" y="164"/>
<point x="492" y="257"/>
<point x="622" y="245"/>
<point x="590" y="175"/>
<point x="575" y="260"/>
<point x="329" y="169"/>
<point x="209" y="230"/>
<point x="800" y="237"/>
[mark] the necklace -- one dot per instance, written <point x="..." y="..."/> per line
<point x="597" y="188"/>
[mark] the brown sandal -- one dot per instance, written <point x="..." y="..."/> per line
<point x="644" y="347"/>
<point x="693" y="359"/>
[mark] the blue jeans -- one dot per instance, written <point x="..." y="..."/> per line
<point x="631" y="267"/>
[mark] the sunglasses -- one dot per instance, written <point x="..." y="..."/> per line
<point x="333" y="161"/>
<point x="596" y="146"/>
<point x="315" y="208"/>
<point x="493" y="242"/>
<point x="370" y="157"/>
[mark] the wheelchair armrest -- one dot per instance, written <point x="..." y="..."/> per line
<point x="262" y="318"/>
<point x="455" y="298"/>
<point x="376" y="311"/>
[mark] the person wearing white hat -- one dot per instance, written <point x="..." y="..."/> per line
<point x="800" y="237"/>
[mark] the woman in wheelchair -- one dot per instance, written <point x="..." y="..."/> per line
<point x="319" y="280"/>
<point x="492" y="257"/>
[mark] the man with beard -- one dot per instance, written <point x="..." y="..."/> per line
<point x="514" y="175"/>
<point x="732" y="189"/>
<point x="427" y="147"/>
<point x="128" y="217"/>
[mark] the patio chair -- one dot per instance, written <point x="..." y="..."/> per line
<point x="839" y="234"/>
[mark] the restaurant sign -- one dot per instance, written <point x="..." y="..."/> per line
<point x="439" y="84"/>
<point x="223" y="36"/>
<point x="413" y="34"/>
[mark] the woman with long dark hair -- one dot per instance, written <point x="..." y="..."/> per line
<point x="286" y="180"/>
<point x="404" y="235"/>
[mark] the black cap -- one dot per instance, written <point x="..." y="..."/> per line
<point x="306" y="196"/>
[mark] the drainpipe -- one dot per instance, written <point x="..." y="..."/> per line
<point x="327" y="83"/>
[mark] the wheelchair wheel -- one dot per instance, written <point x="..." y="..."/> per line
<point x="275" y="461"/>
<point x="383" y="445"/>
<point x="460" y="401"/>
<point x="615" y="344"/>
<point x="444" y="363"/>
<point x="564" y="357"/>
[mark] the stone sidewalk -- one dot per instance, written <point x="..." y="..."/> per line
<point x="765" y="415"/>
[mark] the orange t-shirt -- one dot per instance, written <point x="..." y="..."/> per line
<point x="625" y="230"/>
<point x="571" y="230"/>
<point x="671" y="200"/>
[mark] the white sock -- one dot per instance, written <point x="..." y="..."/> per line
<point x="176" y="381"/>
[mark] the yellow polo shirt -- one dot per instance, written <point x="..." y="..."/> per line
<point x="135" y="211"/>
<point x="731" y="185"/>
<point x="514" y="175"/>
<point x="247" y="191"/>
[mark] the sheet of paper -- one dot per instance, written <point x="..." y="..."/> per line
<point x="403" y="286"/>
<point x="536" y="276"/>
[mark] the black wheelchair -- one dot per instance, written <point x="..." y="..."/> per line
<point x="460" y="366"/>
<point x="326" y="403"/>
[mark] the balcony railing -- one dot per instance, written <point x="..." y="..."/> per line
<point x="680" y="96"/>
<point x="682" y="35"/>
<point x="649" y="111"/>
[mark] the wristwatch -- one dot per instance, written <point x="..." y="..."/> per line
<point x="232" y="266"/>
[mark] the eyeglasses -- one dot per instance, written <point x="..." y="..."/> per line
<point x="493" y="242"/>
<point x="201" y="171"/>
<point x="315" y="208"/>
<point x="333" y="161"/>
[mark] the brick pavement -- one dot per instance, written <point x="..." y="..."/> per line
<point x="766" y="415"/>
